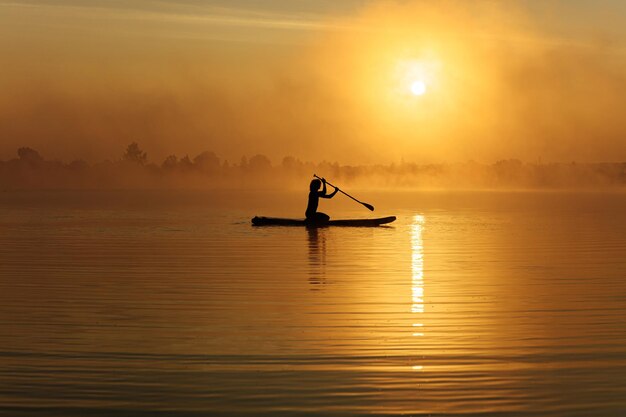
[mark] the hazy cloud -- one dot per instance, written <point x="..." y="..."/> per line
<point x="96" y="76"/>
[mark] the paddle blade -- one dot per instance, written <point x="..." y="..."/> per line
<point x="369" y="206"/>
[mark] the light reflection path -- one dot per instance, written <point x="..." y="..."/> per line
<point x="317" y="257"/>
<point x="417" y="277"/>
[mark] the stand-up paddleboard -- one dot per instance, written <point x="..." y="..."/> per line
<point x="275" y="221"/>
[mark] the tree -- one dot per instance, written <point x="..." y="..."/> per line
<point x="259" y="163"/>
<point x="185" y="163"/>
<point x="29" y="155"/>
<point x="207" y="162"/>
<point x="289" y="162"/>
<point x="135" y="155"/>
<point x="170" y="162"/>
<point x="243" y="164"/>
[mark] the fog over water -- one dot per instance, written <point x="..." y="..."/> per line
<point x="133" y="170"/>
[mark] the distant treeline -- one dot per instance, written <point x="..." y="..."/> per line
<point x="133" y="170"/>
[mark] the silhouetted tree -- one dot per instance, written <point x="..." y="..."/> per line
<point x="170" y="162"/>
<point x="185" y="163"/>
<point x="207" y="162"/>
<point x="290" y="163"/>
<point x="29" y="155"/>
<point x="135" y="155"/>
<point x="508" y="170"/>
<point x="243" y="164"/>
<point x="259" y="163"/>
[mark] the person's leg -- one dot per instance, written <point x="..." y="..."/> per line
<point x="321" y="217"/>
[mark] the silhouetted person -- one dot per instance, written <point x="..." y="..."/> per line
<point x="312" y="215"/>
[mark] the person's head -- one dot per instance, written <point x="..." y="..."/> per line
<point x="315" y="185"/>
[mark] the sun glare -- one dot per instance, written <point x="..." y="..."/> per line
<point x="418" y="88"/>
<point x="415" y="78"/>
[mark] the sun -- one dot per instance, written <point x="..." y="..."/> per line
<point x="418" y="88"/>
<point x="415" y="77"/>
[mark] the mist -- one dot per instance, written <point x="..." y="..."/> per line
<point x="207" y="171"/>
<point x="502" y="87"/>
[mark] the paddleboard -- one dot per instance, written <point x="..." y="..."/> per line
<point x="275" y="221"/>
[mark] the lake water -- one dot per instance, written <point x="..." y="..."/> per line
<point x="171" y="303"/>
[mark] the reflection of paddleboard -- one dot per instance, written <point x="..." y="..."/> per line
<point x="274" y="221"/>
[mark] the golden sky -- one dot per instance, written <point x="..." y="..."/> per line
<point x="354" y="81"/>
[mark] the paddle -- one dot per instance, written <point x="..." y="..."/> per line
<point x="368" y="206"/>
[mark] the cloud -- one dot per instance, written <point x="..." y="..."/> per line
<point x="169" y="12"/>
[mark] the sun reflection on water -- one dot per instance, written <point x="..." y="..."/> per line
<point x="417" y="266"/>
<point x="417" y="278"/>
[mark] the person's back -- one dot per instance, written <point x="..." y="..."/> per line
<point x="313" y="203"/>
<point x="311" y="212"/>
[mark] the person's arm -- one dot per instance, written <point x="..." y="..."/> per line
<point x="323" y="187"/>
<point x="332" y="194"/>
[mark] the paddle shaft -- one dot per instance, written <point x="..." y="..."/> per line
<point x="368" y="206"/>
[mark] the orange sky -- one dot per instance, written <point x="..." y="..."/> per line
<point x="515" y="79"/>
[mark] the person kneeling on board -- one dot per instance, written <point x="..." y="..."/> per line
<point x="312" y="215"/>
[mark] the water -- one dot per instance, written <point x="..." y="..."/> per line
<point x="170" y="303"/>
